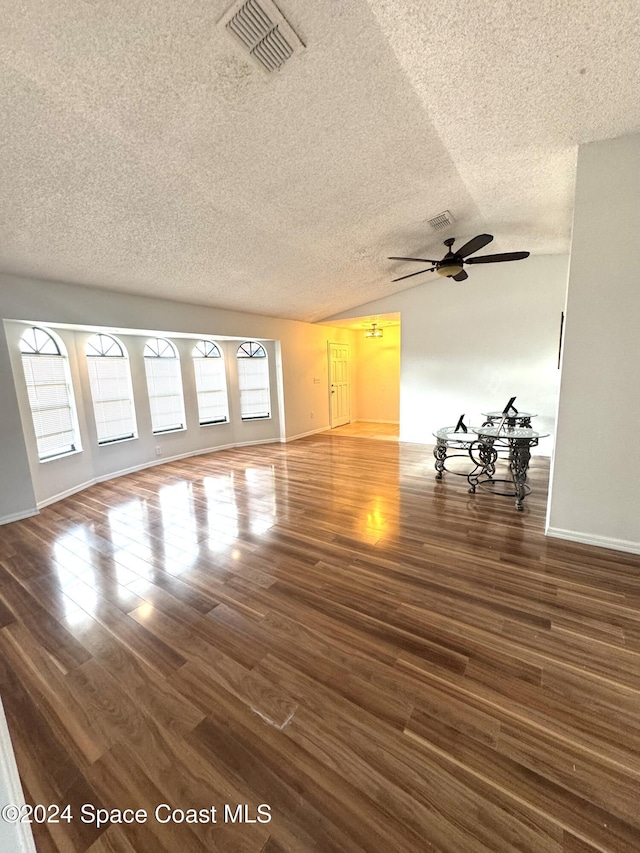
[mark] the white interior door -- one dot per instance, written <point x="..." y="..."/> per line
<point x="339" y="385"/>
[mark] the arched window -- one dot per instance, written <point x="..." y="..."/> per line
<point x="110" y="381"/>
<point x="253" y="381"/>
<point x="211" y="383"/>
<point x="164" y="382"/>
<point x="46" y="372"/>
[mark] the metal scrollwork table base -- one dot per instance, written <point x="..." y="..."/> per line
<point x="453" y="445"/>
<point x="518" y="441"/>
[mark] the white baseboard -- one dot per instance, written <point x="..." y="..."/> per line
<point x="248" y="444"/>
<point x="305" y="434"/>
<point x="13" y="836"/>
<point x="17" y="516"/>
<point x="67" y="493"/>
<point x="373" y="421"/>
<point x="124" y="471"/>
<point x="591" y="539"/>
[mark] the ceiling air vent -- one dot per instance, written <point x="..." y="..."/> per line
<point x="442" y="220"/>
<point x="263" y="32"/>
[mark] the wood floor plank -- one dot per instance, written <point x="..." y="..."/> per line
<point x="607" y="730"/>
<point x="577" y="814"/>
<point x="342" y="817"/>
<point x="142" y="683"/>
<point x="47" y="768"/>
<point x="46" y="686"/>
<point x="386" y="661"/>
<point x="571" y="844"/>
<point x="611" y="787"/>
<point x="128" y="632"/>
<point x="345" y="682"/>
<point x="51" y="633"/>
<point x="259" y="694"/>
<point x="184" y="780"/>
<point x="119" y="780"/>
<point x="113" y="840"/>
<point x="453" y="820"/>
<point x="393" y="791"/>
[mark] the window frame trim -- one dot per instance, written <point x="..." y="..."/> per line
<point x="258" y="357"/>
<point x="125" y="357"/>
<point x="63" y="354"/>
<point x="214" y="358"/>
<point x="158" y="357"/>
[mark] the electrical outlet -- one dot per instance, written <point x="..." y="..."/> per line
<point x="312" y="414"/>
<point x="158" y="450"/>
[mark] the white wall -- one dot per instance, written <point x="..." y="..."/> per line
<point x="595" y="487"/>
<point x="297" y="355"/>
<point x="17" y="498"/>
<point x="16" y="837"/>
<point x="469" y="347"/>
<point x="378" y="376"/>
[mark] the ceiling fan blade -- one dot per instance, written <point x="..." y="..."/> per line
<point x="474" y="245"/>
<point x="413" y="273"/>
<point x="460" y="277"/>
<point x="422" y="260"/>
<point x="494" y="259"/>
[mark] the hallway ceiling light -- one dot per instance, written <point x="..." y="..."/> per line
<point x="373" y="332"/>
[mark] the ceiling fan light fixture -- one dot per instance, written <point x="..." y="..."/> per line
<point x="452" y="265"/>
<point x="449" y="269"/>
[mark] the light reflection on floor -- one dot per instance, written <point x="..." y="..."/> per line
<point x="130" y="538"/>
<point x="179" y="537"/>
<point x="213" y="524"/>
<point x="222" y="512"/>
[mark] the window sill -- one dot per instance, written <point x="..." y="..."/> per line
<point x="117" y="441"/>
<point x="258" y="418"/>
<point x="64" y="455"/>
<point x="169" y="431"/>
<point x="215" y="423"/>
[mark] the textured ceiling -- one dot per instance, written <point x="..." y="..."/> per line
<point x="139" y="150"/>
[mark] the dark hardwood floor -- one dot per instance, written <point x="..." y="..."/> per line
<point x="387" y="662"/>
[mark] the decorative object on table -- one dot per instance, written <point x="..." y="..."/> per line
<point x="451" y="266"/>
<point x="460" y="427"/>
<point x="508" y="413"/>
<point x="510" y="408"/>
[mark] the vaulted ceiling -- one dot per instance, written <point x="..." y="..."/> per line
<point x="142" y="152"/>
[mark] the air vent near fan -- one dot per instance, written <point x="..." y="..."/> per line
<point x="442" y="220"/>
<point x="264" y="33"/>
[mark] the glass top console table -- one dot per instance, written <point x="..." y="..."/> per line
<point x="453" y="445"/>
<point x="484" y="453"/>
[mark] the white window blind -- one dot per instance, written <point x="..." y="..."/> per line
<point x="50" y="394"/>
<point x="253" y="381"/>
<point x="211" y="383"/>
<point x="164" y="383"/>
<point x="110" y="382"/>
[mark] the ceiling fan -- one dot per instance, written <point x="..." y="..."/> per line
<point x="451" y="266"/>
